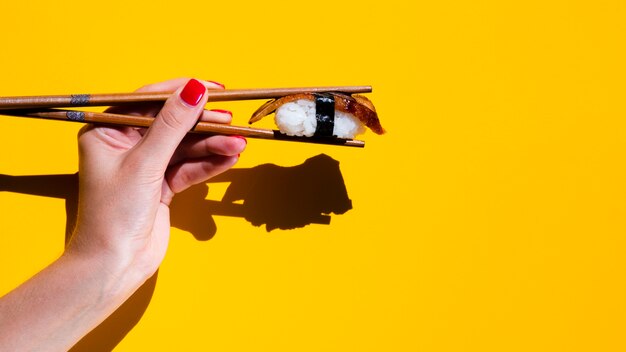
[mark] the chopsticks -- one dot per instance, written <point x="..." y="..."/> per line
<point x="76" y="100"/>
<point x="42" y="107"/>
<point x="200" y="127"/>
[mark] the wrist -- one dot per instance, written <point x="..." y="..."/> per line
<point x="122" y="257"/>
<point x="63" y="302"/>
<point x="114" y="270"/>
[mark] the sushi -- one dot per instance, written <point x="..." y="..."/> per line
<point x="321" y="115"/>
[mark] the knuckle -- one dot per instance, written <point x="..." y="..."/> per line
<point x="179" y="180"/>
<point x="145" y="88"/>
<point x="172" y="118"/>
<point x="207" y="167"/>
<point x="231" y="146"/>
<point x="85" y="136"/>
<point x="185" y="177"/>
<point x="235" y="146"/>
<point x="169" y="85"/>
<point x="208" y="148"/>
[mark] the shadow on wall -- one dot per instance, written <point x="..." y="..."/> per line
<point x="274" y="196"/>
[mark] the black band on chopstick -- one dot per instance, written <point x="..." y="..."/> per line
<point x="324" y="114"/>
<point x="79" y="99"/>
<point x="75" y="116"/>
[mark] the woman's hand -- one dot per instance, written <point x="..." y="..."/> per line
<point x="128" y="176"/>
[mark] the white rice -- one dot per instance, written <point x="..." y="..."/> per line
<point x="298" y="119"/>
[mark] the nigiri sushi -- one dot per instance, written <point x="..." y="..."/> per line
<point x="321" y="115"/>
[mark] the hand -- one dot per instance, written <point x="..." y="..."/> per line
<point x="128" y="177"/>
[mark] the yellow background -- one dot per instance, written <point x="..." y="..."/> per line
<point x="491" y="217"/>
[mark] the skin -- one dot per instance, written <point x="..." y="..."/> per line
<point x="128" y="177"/>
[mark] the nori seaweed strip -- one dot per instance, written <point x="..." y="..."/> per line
<point x="324" y="114"/>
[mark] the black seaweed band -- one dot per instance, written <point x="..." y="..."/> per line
<point x="324" y="114"/>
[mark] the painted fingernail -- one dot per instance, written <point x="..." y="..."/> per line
<point x="241" y="137"/>
<point x="193" y="92"/>
<point x="223" y="112"/>
<point x="218" y="83"/>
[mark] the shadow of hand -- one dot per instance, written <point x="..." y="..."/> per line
<point x="279" y="197"/>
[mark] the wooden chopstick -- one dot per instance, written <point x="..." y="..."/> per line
<point x="75" y="100"/>
<point x="201" y="127"/>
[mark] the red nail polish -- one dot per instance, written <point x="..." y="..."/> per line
<point x="223" y="112"/>
<point x="218" y="83"/>
<point x="241" y="137"/>
<point x="193" y="92"/>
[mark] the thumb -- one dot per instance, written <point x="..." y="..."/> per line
<point x="177" y="117"/>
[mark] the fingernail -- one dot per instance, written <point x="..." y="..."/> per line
<point x="223" y="112"/>
<point x="241" y="137"/>
<point x="193" y="92"/>
<point x="218" y="83"/>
